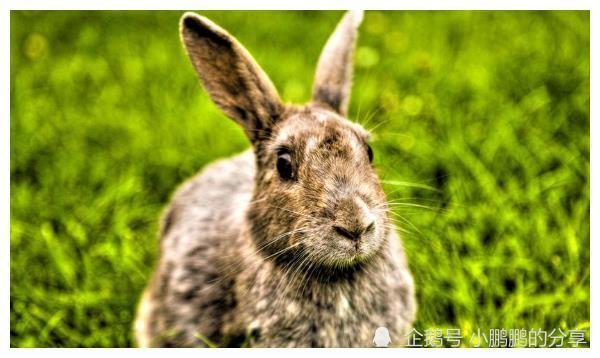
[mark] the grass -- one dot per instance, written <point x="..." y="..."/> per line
<point x="481" y="124"/>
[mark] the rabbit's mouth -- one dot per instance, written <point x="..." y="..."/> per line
<point x="337" y="249"/>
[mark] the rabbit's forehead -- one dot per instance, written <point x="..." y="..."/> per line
<point x="314" y="129"/>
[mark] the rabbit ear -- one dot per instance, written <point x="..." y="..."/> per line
<point x="333" y="79"/>
<point x="230" y="75"/>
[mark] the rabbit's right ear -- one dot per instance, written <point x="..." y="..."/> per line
<point x="333" y="80"/>
<point x="230" y="75"/>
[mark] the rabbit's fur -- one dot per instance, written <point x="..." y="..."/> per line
<point x="288" y="244"/>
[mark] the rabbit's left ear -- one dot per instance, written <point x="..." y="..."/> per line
<point x="333" y="78"/>
<point x="232" y="78"/>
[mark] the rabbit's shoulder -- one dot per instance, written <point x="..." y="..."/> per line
<point x="191" y="291"/>
<point x="214" y="200"/>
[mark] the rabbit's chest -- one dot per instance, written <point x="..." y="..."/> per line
<point x="334" y="320"/>
<point x="277" y="312"/>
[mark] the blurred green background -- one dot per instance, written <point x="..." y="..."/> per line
<point x="481" y="123"/>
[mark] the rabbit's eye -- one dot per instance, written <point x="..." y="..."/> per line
<point x="370" y="153"/>
<point x="284" y="165"/>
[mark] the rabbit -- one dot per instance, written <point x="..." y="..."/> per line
<point x="290" y="243"/>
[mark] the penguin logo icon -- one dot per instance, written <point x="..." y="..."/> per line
<point x="382" y="338"/>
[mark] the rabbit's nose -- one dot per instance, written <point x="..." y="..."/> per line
<point x="354" y="219"/>
<point x="354" y="233"/>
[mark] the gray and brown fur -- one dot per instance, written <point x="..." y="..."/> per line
<point x="312" y="261"/>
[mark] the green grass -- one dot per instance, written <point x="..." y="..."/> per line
<point x="481" y="123"/>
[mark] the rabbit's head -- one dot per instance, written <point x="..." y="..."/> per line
<point x="317" y="198"/>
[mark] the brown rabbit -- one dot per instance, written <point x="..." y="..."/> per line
<point x="288" y="244"/>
